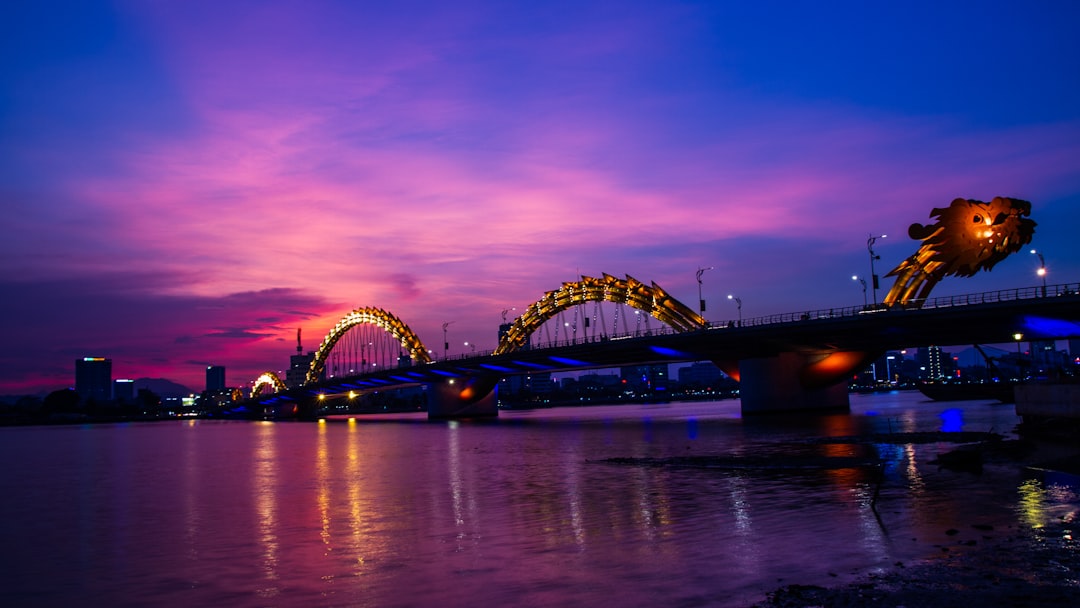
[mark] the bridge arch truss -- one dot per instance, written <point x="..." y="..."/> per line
<point x="267" y="380"/>
<point x="376" y="318"/>
<point x="651" y="299"/>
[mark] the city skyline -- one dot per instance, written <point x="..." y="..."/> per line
<point x="186" y="185"/>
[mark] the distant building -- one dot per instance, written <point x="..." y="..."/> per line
<point x="931" y="363"/>
<point x="298" y="369"/>
<point x="1044" y="356"/>
<point x="701" y="375"/>
<point x="299" y="364"/>
<point x="93" y="378"/>
<point x="215" y="378"/>
<point x="646" y="377"/>
<point x="532" y="384"/>
<point x="123" y="390"/>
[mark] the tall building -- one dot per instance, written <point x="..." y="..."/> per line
<point x="215" y="378"/>
<point x="298" y="369"/>
<point x="93" y="378"/>
<point x="930" y="363"/>
<point x="123" y="390"/>
<point x="298" y="365"/>
<point x="1044" y="356"/>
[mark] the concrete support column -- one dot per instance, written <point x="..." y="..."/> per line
<point x="474" y="397"/>
<point x="774" y="385"/>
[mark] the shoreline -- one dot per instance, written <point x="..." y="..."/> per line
<point x="1038" y="567"/>
<point x="1016" y="567"/>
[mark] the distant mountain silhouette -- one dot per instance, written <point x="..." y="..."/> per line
<point x="162" y="387"/>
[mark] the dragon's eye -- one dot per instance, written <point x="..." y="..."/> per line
<point x="977" y="219"/>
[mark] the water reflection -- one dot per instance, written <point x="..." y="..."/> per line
<point x="323" y="477"/>
<point x="1048" y="497"/>
<point x="525" y="509"/>
<point x="192" y="473"/>
<point x="264" y="491"/>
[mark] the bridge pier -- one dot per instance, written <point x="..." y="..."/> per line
<point x="779" y="384"/>
<point x="474" y="397"/>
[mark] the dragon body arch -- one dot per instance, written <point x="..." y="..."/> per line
<point x="631" y="292"/>
<point x="371" y="316"/>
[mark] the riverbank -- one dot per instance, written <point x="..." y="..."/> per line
<point x="1023" y="568"/>
<point x="1017" y="567"/>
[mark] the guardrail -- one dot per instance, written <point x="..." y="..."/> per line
<point x="987" y="297"/>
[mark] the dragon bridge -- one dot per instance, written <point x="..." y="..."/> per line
<point x="968" y="236"/>
<point x="630" y="292"/>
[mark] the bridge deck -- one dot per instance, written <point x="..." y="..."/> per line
<point x="972" y="319"/>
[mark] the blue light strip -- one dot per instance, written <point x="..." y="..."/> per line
<point x="566" y="361"/>
<point x="532" y="365"/>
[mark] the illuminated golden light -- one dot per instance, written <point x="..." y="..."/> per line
<point x="966" y="237"/>
<point x="631" y="292"/>
<point x="956" y="244"/>
<point x="321" y="396"/>
<point x="369" y="316"/>
<point x="267" y="380"/>
<point x="322" y="420"/>
<point x="352" y="394"/>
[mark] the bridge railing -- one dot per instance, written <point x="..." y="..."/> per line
<point x="987" y="297"/>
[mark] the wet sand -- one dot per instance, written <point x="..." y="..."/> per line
<point x="1017" y="567"/>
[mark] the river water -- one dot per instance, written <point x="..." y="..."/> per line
<point x="528" y="510"/>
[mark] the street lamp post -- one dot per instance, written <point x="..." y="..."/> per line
<point x="701" y="300"/>
<point x="862" y="281"/>
<point x="1019" y="356"/>
<point x="445" y="342"/>
<point x="873" y="277"/>
<point x="738" y="303"/>
<point x="1041" y="271"/>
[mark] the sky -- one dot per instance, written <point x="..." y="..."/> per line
<point x="187" y="183"/>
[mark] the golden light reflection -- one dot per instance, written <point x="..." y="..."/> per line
<point x="358" y="524"/>
<point x="1032" y="503"/>
<point x="264" y="488"/>
<point x="911" y="470"/>
<point x="323" y="479"/>
<point x="193" y="472"/>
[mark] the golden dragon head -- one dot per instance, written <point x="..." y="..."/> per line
<point x="968" y="236"/>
